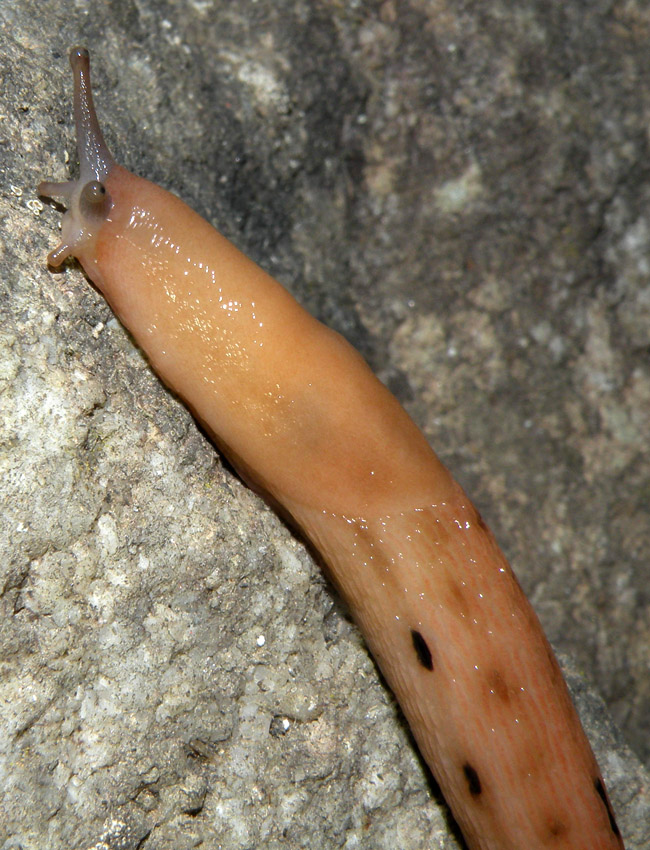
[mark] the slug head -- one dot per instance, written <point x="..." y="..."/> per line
<point x="88" y="202"/>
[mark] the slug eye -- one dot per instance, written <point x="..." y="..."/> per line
<point x="94" y="201"/>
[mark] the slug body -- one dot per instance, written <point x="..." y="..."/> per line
<point x="301" y="416"/>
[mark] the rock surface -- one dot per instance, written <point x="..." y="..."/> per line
<point x="462" y="190"/>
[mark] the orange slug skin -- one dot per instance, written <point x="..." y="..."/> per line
<point x="304" y="420"/>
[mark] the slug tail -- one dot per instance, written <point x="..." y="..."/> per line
<point x="465" y="655"/>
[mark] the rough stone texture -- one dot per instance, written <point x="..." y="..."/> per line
<point x="460" y="188"/>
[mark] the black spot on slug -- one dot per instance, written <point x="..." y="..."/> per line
<point x="473" y="782"/>
<point x="557" y="828"/>
<point x="600" y="788"/>
<point x="422" y="650"/>
<point x="498" y="685"/>
<point x="459" y="601"/>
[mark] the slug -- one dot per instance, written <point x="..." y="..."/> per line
<point x="304" y="420"/>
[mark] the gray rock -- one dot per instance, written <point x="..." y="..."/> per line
<point x="462" y="190"/>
